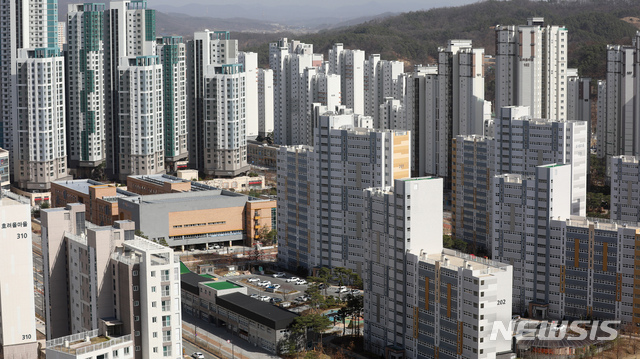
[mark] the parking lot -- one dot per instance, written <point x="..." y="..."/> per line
<point x="287" y="292"/>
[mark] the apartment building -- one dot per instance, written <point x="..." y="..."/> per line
<point x="265" y="102"/>
<point x="5" y="169"/>
<point x="349" y="64"/>
<point x="320" y="190"/>
<point x="130" y="32"/>
<point x="39" y="144"/>
<point x="422" y="300"/>
<point x="17" y="309"/>
<point x="531" y="68"/>
<point x="382" y="79"/>
<point x="618" y="103"/>
<point x="249" y="61"/>
<point x="521" y="208"/>
<point x="172" y="52"/>
<point x="472" y="173"/>
<point x="625" y="186"/>
<point x="140" y="116"/>
<point x="524" y="142"/>
<point x="106" y="278"/>
<point x="85" y="86"/>
<point x="578" y="98"/>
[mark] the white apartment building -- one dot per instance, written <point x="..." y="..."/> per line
<point x="392" y="114"/>
<point x="523" y="143"/>
<point x="531" y="68"/>
<point x="472" y="173"/>
<point x="288" y="60"/>
<point x="62" y="34"/>
<point x="148" y="296"/>
<point x="625" y="189"/>
<point x="140" y="116"/>
<point x="419" y="104"/>
<point x="423" y="301"/>
<point x="619" y="103"/>
<point x="17" y="309"/>
<point x="172" y="52"/>
<point x="521" y="208"/>
<point x="40" y="153"/>
<point x="349" y="64"/>
<point x="382" y="79"/>
<point x="398" y="223"/>
<point x="85" y="85"/>
<point x="208" y="48"/>
<point x="224" y="121"/>
<point x="129" y="32"/>
<point x="106" y="278"/>
<point x="265" y="102"/>
<point x="320" y="190"/>
<point x="249" y="61"/>
<point x="578" y="98"/>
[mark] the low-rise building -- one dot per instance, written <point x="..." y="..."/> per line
<point x="200" y="218"/>
<point x="100" y="199"/>
<point x="227" y="304"/>
<point x="262" y="154"/>
<point x="238" y="184"/>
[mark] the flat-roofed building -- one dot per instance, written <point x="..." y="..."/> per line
<point x="200" y="217"/>
<point x="99" y="198"/>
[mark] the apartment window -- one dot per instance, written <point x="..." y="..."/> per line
<point x="135" y="288"/>
<point x="155" y="349"/>
<point x="166" y="350"/>
<point x="154" y="304"/>
<point x="166" y="320"/>
<point x="155" y="334"/>
<point x="136" y="303"/>
<point x="154" y="320"/>
<point x="153" y="289"/>
<point x="135" y="273"/>
<point x="166" y="336"/>
<point x="115" y="354"/>
<point x="166" y="305"/>
<point x="137" y="348"/>
<point x="153" y="273"/>
<point x="126" y="350"/>
<point x="136" y="318"/>
<point x="165" y="275"/>
<point x="166" y="290"/>
<point x="137" y="333"/>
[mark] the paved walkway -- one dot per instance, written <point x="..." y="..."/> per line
<point x="214" y="339"/>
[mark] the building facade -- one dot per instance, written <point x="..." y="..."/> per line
<point x="320" y="190"/>
<point x="625" y="187"/>
<point x="531" y="68"/>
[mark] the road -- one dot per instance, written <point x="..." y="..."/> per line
<point x="189" y="349"/>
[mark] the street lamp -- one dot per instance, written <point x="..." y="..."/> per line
<point x="233" y="356"/>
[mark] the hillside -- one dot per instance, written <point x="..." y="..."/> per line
<point x="414" y="37"/>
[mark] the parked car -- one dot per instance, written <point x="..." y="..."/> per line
<point x="355" y="291"/>
<point x="264" y="283"/>
<point x="276" y="286"/>
<point x="264" y="298"/>
<point x="301" y="282"/>
<point x="197" y="355"/>
<point x="279" y="275"/>
<point x="340" y="289"/>
<point x="216" y="246"/>
<point x="292" y="279"/>
<point x="254" y="296"/>
<point x="276" y="300"/>
<point x="344" y="290"/>
<point x="254" y="279"/>
<point x="285" y="304"/>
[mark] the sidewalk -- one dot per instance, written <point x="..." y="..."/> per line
<point x="214" y="340"/>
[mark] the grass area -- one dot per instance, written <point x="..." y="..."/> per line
<point x="222" y="285"/>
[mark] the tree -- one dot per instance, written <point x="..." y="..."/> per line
<point x="45" y="205"/>
<point x="316" y="298"/>
<point x="355" y="304"/>
<point x="139" y="233"/>
<point x="342" y="314"/>
<point x="315" y="323"/>
<point x="322" y="277"/>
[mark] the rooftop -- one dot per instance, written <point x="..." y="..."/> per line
<point x="145" y="245"/>
<point x="81" y="185"/>
<point x="86" y="342"/>
<point x="454" y="260"/>
<point x="262" y="312"/>
<point x="221" y="285"/>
